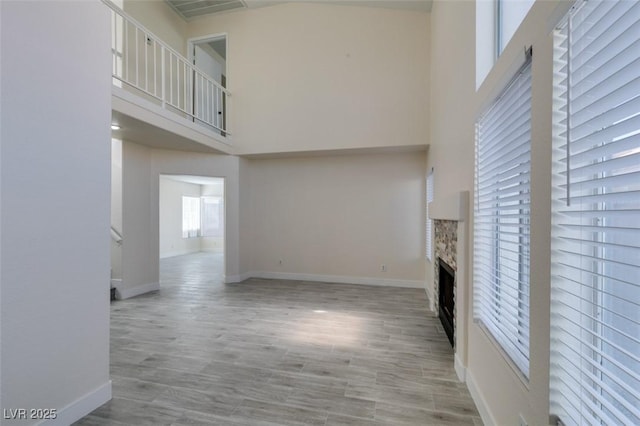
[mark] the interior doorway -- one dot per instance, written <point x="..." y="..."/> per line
<point x="209" y="54"/>
<point x="192" y="217"/>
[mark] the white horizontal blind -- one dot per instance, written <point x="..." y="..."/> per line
<point x="501" y="219"/>
<point x="595" y="289"/>
<point x="190" y="217"/>
<point x="212" y="216"/>
<point x="429" y="224"/>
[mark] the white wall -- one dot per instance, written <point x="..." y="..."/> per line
<point x="339" y="216"/>
<point x="208" y="165"/>
<point x="245" y="231"/>
<point x="214" y="244"/>
<point x="55" y="182"/>
<point x="116" y="206"/>
<point x="171" y="241"/>
<point x="210" y="62"/>
<point x="142" y="168"/>
<point x="451" y="153"/>
<point x="140" y="264"/>
<point x="501" y="394"/>
<point x="310" y="77"/>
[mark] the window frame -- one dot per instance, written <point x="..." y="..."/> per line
<point x="497" y="229"/>
<point x="429" y="231"/>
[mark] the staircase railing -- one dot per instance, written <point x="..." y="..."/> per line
<point x="116" y="236"/>
<point x="142" y="61"/>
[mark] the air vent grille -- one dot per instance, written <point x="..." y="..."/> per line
<point x="193" y="8"/>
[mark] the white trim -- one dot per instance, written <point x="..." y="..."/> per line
<point x="231" y="279"/>
<point x="81" y="407"/>
<point x="206" y="39"/>
<point x="450" y="207"/>
<point x="212" y="249"/>
<point x="328" y="279"/>
<point x="429" y="290"/>
<point x="500" y="350"/>
<point x="461" y="370"/>
<point x="191" y="42"/>
<point x="176" y="253"/>
<point x="481" y="404"/>
<point x="127" y="293"/>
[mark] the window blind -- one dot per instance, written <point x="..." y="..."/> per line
<point x="595" y="287"/>
<point x="190" y="217"/>
<point x="501" y="219"/>
<point x="429" y="223"/>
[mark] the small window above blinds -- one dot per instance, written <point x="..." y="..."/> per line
<point x="595" y="286"/>
<point x="501" y="219"/>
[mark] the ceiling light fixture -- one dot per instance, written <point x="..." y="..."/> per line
<point x="115" y="127"/>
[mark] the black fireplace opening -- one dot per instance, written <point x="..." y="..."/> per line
<point x="446" y="304"/>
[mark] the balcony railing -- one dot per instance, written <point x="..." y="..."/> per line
<point x="143" y="62"/>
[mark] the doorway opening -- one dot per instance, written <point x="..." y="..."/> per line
<point x="209" y="55"/>
<point x="192" y="218"/>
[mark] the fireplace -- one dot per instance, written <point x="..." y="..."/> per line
<point x="446" y="303"/>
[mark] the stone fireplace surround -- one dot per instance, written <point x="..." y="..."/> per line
<point x="450" y="213"/>
<point x="445" y="243"/>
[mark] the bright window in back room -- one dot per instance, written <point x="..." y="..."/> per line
<point x="212" y="216"/>
<point x="595" y="285"/>
<point x="190" y="217"/>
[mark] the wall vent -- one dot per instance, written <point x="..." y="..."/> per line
<point x="192" y="8"/>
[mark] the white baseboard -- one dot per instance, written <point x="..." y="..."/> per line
<point x="430" y="295"/>
<point x="213" y="250"/>
<point x="126" y="293"/>
<point x="461" y="370"/>
<point x="176" y="253"/>
<point x="481" y="404"/>
<point x="388" y="282"/>
<point x="81" y="407"/>
<point x="230" y="279"/>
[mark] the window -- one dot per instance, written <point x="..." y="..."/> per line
<point x="212" y="217"/>
<point x="595" y="287"/>
<point x="496" y="23"/>
<point x="429" y="224"/>
<point x="510" y="14"/>
<point x="501" y="219"/>
<point x="190" y="217"/>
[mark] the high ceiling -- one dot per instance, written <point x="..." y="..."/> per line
<point x="189" y="9"/>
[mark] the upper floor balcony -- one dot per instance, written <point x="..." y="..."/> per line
<point x="159" y="97"/>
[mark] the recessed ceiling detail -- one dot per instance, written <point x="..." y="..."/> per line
<point x="192" y="8"/>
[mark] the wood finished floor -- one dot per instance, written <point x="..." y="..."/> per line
<point x="272" y="352"/>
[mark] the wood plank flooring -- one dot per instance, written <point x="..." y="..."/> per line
<point x="272" y="352"/>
